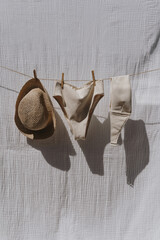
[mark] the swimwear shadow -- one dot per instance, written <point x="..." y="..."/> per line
<point x="136" y="148"/>
<point x="56" y="149"/>
<point x="93" y="147"/>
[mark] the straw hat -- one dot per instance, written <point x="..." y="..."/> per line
<point x="34" y="115"/>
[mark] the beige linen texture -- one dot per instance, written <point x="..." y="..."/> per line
<point x="120" y="105"/>
<point x="58" y="188"/>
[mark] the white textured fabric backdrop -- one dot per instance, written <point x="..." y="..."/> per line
<point x="61" y="189"/>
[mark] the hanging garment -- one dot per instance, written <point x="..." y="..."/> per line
<point x="78" y="104"/>
<point x="120" y="105"/>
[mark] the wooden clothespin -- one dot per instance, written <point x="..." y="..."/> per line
<point x="62" y="81"/>
<point x="94" y="81"/>
<point x="34" y="74"/>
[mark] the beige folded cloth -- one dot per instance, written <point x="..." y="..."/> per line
<point x="120" y="105"/>
<point x="78" y="104"/>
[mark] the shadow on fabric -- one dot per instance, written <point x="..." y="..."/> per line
<point x="136" y="148"/>
<point x="93" y="147"/>
<point x="57" y="149"/>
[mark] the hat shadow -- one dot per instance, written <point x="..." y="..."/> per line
<point x="57" y="149"/>
<point x="93" y="147"/>
<point x="136" y="148"/>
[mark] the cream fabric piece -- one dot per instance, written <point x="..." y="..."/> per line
<point x="120" y="105"/>
<point x="78" y="104"/>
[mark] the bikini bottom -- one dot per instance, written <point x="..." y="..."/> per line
<point x="78" y="104"/>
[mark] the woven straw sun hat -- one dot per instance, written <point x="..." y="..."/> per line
<point x="35" y="116"/>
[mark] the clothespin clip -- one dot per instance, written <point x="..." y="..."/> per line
<point x="34" y="74"/>
<point x="94" y="81"/>
<point x="62" y="81"/>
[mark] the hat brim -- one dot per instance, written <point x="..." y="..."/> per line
<point x="50" y="128"/>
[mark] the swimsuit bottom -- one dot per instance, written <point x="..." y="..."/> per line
<point x="78" y="104"/>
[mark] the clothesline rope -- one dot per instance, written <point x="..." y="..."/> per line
<point x="58" y="108"/>
<point x="53" y="79"/>
<point x="12" y="70"/>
